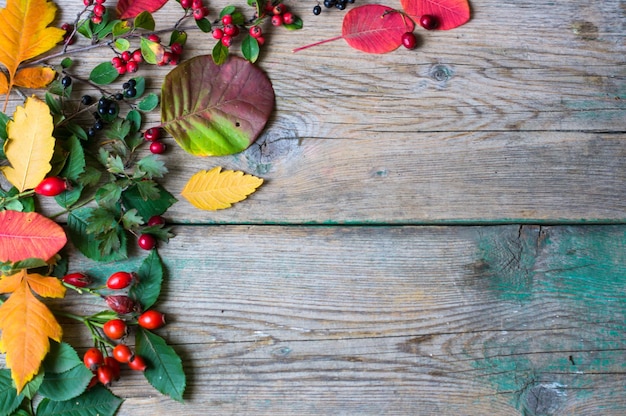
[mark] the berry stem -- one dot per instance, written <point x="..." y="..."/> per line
<point x="317" y="43"/>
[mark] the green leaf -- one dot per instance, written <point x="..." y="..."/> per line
<point x="69" y="197"/>
<point x="152" y="52"/>
<point x="238" y="18"/>
<point x="62" y="357"/>
<point x="250" y="48"/>
<point x="227" y="10"/>
<point x="204" y="25"/>
<point x="144" y="20"/>
<point x="54" y="103"/>
<point x="108" y="195"/>
<point x="101" y="220"/>
<point x="91" y="176"/>
<point x="85" y="28"/>
<point x="66" y="385"/>
<point x="75" y="164"/>
<point x="122" y="44"/>
<point x="151" y="167"/>
<point x="148" y="190"/>
<point x="132" y="198"/>
<point x="119" y="129"/>
<point x="66" y="63"/>
<point x="135" y="118"/>
<point x="77" y="223"/>
<point x="219" y="53"/>
<point x="115" y="164"/>
<point x="296" y="25"/>
<point x="9" y="399"/>
<point x="32" y="387"/>
<point x="148" y="286"/>
<point x="97" y="401"/>
<point x="149" y="103"/>
<point x="165" y="368"/>
<point x="178" y="36"/>
<point x="103" y="74"/>
<point x="111" y="241"/>
<point x="140" y="86"/>
<point x="131" y="219"/>
<point x="121" y="28"/>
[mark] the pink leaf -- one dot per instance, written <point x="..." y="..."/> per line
<point x="26" y="235"/>
<point x="374" y="28"/>
<point x="449" y="13"/>
<point x="127" y="9"/>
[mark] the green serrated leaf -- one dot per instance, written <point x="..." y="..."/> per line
<point x="144" y="20"/>
<point x="101" y="220"/>
<point x="111" y="241"/>
<point x="77" y="130"/>
<point x="250" y="48"/>
<point x="159" y="231"/>
<point x="149" y="103"/>
<point x="103" y="74"/>
<point x="204" y="25"/>
<point x="60" y="268"/>
<point x="135" y="119"/>
<point x="122" y="44"/>
<point x="69" y="197"/>
<point x="9" y="399"/>
<point x="151" y="167"/>
<point x="119" y="129"/>
<point x="75" y="163"/>
<point x="54" y="103"/>
<point x="165" y="369"/>
<point x="61" y="357"/>
<point x="32" y="387"/>
<point x="77" y="222"/>
<point x="115" y="164"/>
<point x="219" y="53"/>
<point x="108" y="195"/>
<point x="97" y="401"/>
<point x="131" y="219"/>
<point x="132" y="198"/>
<point x="148" y="286"/>
<point x="66" y="385"/>
<point x="91" y="176"/>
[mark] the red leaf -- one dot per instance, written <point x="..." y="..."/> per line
<point x="26" y="235"/>
<point x="127" y="9"/>
<point x="372" y="28"/>
<point x="449" y="13"/>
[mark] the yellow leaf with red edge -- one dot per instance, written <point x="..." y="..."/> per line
<point x="35" y="77"/>
<point x="213" y="190"/>
<point x="30" y="145"/>
<point x="25" y="33"/>
<point x="27" y="325"/>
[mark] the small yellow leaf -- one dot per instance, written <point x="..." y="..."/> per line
<point x="213" y="190"/>
<point x="30" y="145"/>
<point x="9" y="284"/>
<point x="48" y="287"/>
<point x="35" y="77"/>
<point x="27" y="326"/>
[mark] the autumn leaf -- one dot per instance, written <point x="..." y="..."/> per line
<point x="449" y="13"/>
<point x="27" y="324"/>
<point x="35" y="77"/>
<point x="214" y="189"/>
<point x="130" y="8"/>
<point x="30" y="145"/>
<point x="25" y="235"/>
<point x="25" y="33"/>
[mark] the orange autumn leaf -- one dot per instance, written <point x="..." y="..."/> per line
<point x="30" y="145"/>
<point x="35" y="77"/>
<point x="25" y="33"/>
<point x="213" y="190"/>
<point x="26" y="323"/>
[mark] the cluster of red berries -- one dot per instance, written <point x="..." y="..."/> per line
<point x="280" y="14"/>
<point x="127" y="62"/>
<point x="98" y="10"/>
<point x="198" y="10"/>
<point x="153" y="134"/>
<point x="428" y="22"/>
<point x="229" y="31"/>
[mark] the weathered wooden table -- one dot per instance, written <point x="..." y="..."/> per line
<point x="441" y="231"/>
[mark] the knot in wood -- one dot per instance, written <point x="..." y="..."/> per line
<point x="441" y="73"/>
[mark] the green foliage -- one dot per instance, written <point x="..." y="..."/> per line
<point x="9" y="399"/>
<point x="103" y="74"/>
<point x="97" y="401"/>
<point x="250" y="48"/>
<point x="144" y="20"/>
<point x="150" y="274"/>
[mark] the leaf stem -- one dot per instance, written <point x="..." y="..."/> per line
<point x="317" y="43"/>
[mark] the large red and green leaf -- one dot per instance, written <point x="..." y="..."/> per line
<point x="215" y="110"/>
<point x="449" y="13"/>
<point x="127" y="9"/>
<point x="25" y="235"/>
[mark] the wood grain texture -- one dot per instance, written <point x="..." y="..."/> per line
<point x="391" y="320"/>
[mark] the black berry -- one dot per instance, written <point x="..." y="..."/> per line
<point x="66" y="81"/>
<point x="317" y="9"/>
<point x="86" y="99"/>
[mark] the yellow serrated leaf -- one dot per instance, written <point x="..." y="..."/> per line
<point x="27" y="326"/>
<point x="9" y="284"/>
<point x="34" y="78"/>
<point x="25" y="33"/>
<point x="30" y="145"/>
<point x="213" y="190"/>
<point x="48" y="287"/>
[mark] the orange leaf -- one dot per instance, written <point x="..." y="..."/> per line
<point x="30" y="145"/>
<point x="27" y="326"/>
<point x="9" y="284"/>
<point x="25" y="33"/>
<point x="4" y="84"/>
<point x="45" y="286"/>
<point x="26" y="235"/>
<point x="35" y="77"/>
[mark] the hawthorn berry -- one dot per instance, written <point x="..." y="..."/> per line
<point x="185" y="4"/>
<point x="132" y="66"/>
<point x="157" y="147"/>
<point x="199" y="13"/>
<point x="156" y="220"/>
<point x="114" y="365"/>
<point x="122" y="353"/>
<point x="137" y="56"/>
<point x="289" y="18"/>
<point x="77" y="279"/>
<point x="93" y="358"/>
<point x="87" y="3"/>
<point x="147" y="241"/>
<point x="99" y="10"/>
<point x="279" y="9"/>
<point x="218" y="33"/>
<point x="227" y="40"/>
<point x="122" y="304"/>
<point x="96" y="19"/>
<point x="151" y="319"/>
<point x="227" y="19"/>
<point x="176" y="48"/>
<point x="260" y="40"/>
<point x="429" y="22"/>
<point x="51" y="186"/>
<point x="120" y="280"/>
<point x="137" y="363"/>
<point x="152" y="134"/>
<point x="115" y="328"/>
<point x="105" y="375"/>
<point x="255" y="31"/>
<point x="154" y="38"/>
<point x="277" y="20"/>
<point x="409" y="40"/>
<point x="231" y="30"/>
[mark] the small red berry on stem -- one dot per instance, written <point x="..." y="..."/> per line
<point x="146" y="241"/>
<point x="227" y="19"/>
<point x="105" y="375"/>
<point x="255" y="31"/>
<point x="277" y="20"/>
<point x="156" y="220"/>
<point x="120" y="280"/>
<point x="151" y="319"/>
<point x="122" y="353"/>
<point x="157" y="147"/>
<point x="218" y="33"/>
<point x="176" y="48"/>
<point x="152" y="134"/>
<point x="51" y="186"/>
<point x="409" y="40"/>
<point x="77" y="279"/>
<point x="154" y="37"/>
<point x="114" y="365"/>
<point x="93" y="358"/>
<point x="115" y="329"/>
<point x="289" y="18"/>
<point x="137" y="363"/>
<point x="428" y="22"/>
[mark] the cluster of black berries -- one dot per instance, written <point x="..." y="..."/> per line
<point x="338" y="4"/>
<point x="129" y="88"/>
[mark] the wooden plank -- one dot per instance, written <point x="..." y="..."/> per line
<point x="391" y="320"/>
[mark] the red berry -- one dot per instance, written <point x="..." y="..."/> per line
<point x="105" y="375"/>
<point x="256" y="31"/>
<point x="218" y="33"/>
<point x="115" y="328"/>
<point x="137" y="56"/>
<point x="186" y="4"/>
<point x="227" y="19"/>
<point x="277" y="20"/>
<point x="196" y="4"/>
<point x="154" y="38"/>
<point x="93" y="358"/>
<point x="231" y="30"/>
<point x="92" y="382"/>
<point x="156" y="220"/>
<point x="260" y="40"/>
<point x="146" y="241"/>
<point x="96" y="19"/>
<point x="167" y="57"/>
<point x="51" y="186"/>
<point x="137" y="363"/>
<point x="176" y="48"/>
<point x="99" y="10"/>
<point x="121" y="69"/>
<point x="132" y="66"/>
<point x="227" y="40"/>
<point x="122" y="304"/>
<point x="126" y="56"/>
<point x="122" y="353"/>
<point x="409" y="40"/>
<point x="279" y="9"/>
<point x="429" y="22"/>
<point x="199" y="13"/>
<point x="117" y="62"/>
<point x="67" y="27"/>
<point x="77" y="279"/>
<point x="114" y="365"/>
<point x="120" y="280"/>
<point x="158" y="147"/>
<point x="289" y="18"/>
<point x="152" y="134"/>
<point x="100" y="1"/>
<point x="87" y="3"/>
<point x="151" y="319"/>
